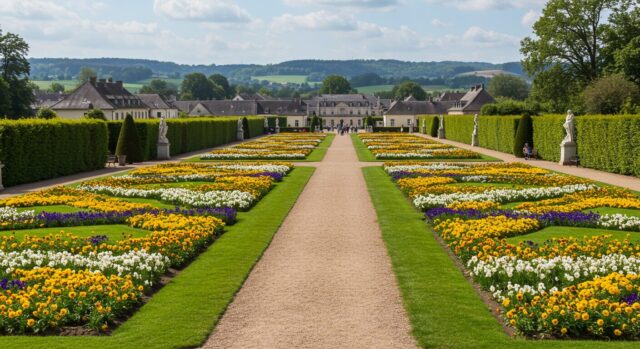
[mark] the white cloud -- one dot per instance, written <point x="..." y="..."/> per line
<point x="530" y="18"/>
<point x="202" y="10"/>
<point x="366" y="4"/>
<point x="438" y="23"/>
<point x="489" y="37"/>
<point x="129" y="27"/>
<point x="34" y="10"/>
<point x="320" y="20"/>
<point x="483" y="5"/>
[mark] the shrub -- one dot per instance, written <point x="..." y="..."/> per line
<point x="609" y="94"/>
<point x="34" y="150"/>
<point x="128" y="141"/>
<point x="46" y="113"/>
<point x="524" y="134"/>
<point x="96" y="114"/>
<point x="435" y="125"/>
<point x="506" y="106"/>
<point x="256" y="126"/>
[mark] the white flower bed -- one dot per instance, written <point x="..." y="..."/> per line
<point x="140" y="264"/>
<point x="475" y="179"/>
<point x="255" y="155"/>
<point x="508" y="275"/>
<point x="409" y="168"/>
<point x="218" y="198"/>
<point x="12" y="215"/>
<point x="499" y="195"/>
<point x="620" y="222"/>
<point x="281" y="169"/>
<point x="403" y="155"/>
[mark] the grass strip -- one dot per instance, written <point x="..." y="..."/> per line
<point x="184" y="312"/>
<point x="364" y="155"/>
<point x="321" y="150"/>
<point x="444" y="309"/>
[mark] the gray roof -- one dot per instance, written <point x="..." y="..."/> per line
<point x="102" y="94"/>
<point x="185" y="106"/>
<point x="226" y="107"/>
<point x="451" y="96"/>
<point x="416" y="108"/>
<point x="282" y="107"/>
<point x="46" y="99"/>
<point x="153" y="101"/>
<point x="473" y="100"/>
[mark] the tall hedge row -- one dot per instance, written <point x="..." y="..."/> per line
<point x="185" y="135"/>
<point x="282" y="121"/>
<point x="256" y="126"/>
<point x="459" y="128"/>
<point x="547" y="136"/>
<point x="495" y="132"/>
<point x="609" y="143"/>
<point x="430" y="119"/>
<point x="34" y="150"/>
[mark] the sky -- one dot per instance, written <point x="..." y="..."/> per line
<point x="273" y="31"/>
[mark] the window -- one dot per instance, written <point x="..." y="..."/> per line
<point x="393" y="122"/>
<point x="351" y="122"/>
<point x="159" y="114"/>
<point x="359" y="122"/>
<point x="297" y="123"/>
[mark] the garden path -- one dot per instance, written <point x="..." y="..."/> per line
<point x="628" y="182"/>
<point x="326" y="279"/>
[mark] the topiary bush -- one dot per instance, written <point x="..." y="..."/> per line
<point x="435" y="125"/>
<point x="128" y="141"/>
<point x="524" y="134"/>
<point x="46" y="113"/>
<point x="96" y="114"/>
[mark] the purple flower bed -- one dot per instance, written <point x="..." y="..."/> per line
<point x="574" y="219"/>
<point x="276" y="176"/>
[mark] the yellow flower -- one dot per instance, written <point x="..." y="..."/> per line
<point x="31" y="322"/>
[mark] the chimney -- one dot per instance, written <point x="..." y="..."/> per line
<point x="92" y="80"/>
<point x="110" y="80"/>
<point x="119" y="83"/>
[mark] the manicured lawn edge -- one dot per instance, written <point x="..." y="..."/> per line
<point x="184" y="312"/>
<point x="364" y="155"/>
<point x="444" y="309"/>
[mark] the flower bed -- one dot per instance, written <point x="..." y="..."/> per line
<point x="390" y="146"/>
<point x="565" y="287"/>
<point x="56" y="280"/>
<point x="283" y="146"/>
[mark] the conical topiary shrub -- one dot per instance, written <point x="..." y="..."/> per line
<point x="435" y="125"/>
<point x="245" y="128"/>
<point x="524" y="134"/>
<point x="128" y="141"/>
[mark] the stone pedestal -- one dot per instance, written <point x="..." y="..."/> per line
<point x="441" y="134"/>
<point x="164" y="152"/>
<point x="424" y="128"/>
<point x="568" y="153"/>
<point x="474" y="140"/>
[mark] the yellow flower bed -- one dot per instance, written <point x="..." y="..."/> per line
<point x="420" y="185"/>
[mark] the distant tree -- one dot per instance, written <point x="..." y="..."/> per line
<point x="161" y="87"/>
<point x="623" y="40"/>
<point x="335" y="84"/>
<point x="222" y="81"/>
<point x="555" y="89"/>
<point x="264" y="91"/>
<point x="14" y="70"/>
<point x="409" y="88"/>
<point x="85" y="74"/>
<point x="507" y="106"/>
<point x="608" y="95"/>
<point x="128" y="141"/>
<point x="46" y="113"/>
<point x="240" y="88"/>
<point x="510" y="86"/>
<point x="367" y="79"/>
<point x="56" y="87"/>
<point x="5" y="98"/>
<point x="96" y="114"/>
<point x="384" y="94"/>
<point x="197" y="86"/>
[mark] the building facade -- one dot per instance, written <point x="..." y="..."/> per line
<point x="344" y="109"/>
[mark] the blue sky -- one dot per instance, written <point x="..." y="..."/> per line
<point x="254" y="31"/>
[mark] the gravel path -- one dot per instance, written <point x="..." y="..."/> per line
<point x="326" y="279"/>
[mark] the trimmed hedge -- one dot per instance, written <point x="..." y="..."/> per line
<point x="430" y="119"/>
<point x="394" y="129"/>
<point x="547" y="136"/>
<point x="496" y="132"/>
<point x="34" y="150"/>
<point x="282" y="121"/>
<point x="459" y="128"/>
<point x="185" y="134"/>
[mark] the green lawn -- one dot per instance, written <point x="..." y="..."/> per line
<point x="549" y="233"/>
<point x="611" y="210"/>
<point x="444" y="309"/>
<point x="52" y="208"/>
<point x="115" y="232"/>
<point x="184" y="312"/>
<point x="363" y="153"/>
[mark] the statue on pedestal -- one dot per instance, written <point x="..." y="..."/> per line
<point x="568" y="147"/>
<point x="441" y="133"/>
<point x="162" y="131"/>
<point x="163" y="146"/>
<point x="240" y="133"/>
<point x="570" y="128"/>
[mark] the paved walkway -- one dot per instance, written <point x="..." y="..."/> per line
<point x="326" y="279"/>
<point x="629" y="182"/>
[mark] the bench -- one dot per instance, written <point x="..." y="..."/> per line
<point x="112" y="159"/>
<point x="575" y="161"/>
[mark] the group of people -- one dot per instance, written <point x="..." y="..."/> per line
<point x="342" y="129"/>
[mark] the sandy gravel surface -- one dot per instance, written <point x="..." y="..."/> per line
<point x="326" y="280"/>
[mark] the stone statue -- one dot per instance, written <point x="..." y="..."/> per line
<point x="240" y="133"/>
<point x="442" y="122"/>
<point x="570" y="128"/>
<point x="475" y="125"/>
<point x="441" y="134"/>
<point x="162" y="131"/>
